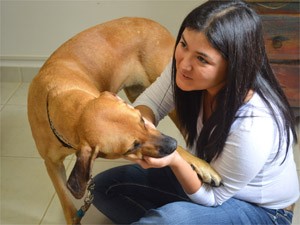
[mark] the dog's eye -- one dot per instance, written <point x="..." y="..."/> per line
<point x="136" y="145"/>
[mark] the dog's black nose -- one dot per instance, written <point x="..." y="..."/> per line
<point x="168" y="145"/>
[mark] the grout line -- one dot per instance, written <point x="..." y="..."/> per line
<point x="21" y="157"/>
<point x="13" y="93"/>
<point x="70" y="162"/>
<point x="47" y="208"/>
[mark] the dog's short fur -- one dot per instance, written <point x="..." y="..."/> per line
<point x="72" y="107"/>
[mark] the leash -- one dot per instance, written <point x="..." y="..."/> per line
<point x="87" y="202"/>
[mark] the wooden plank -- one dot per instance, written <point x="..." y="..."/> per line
<point x="281" y="34"/>
<point x="278" y="7"/>
<point x="272" y="1"/>
<point x="289" y="79"/>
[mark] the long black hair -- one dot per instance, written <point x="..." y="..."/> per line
<point x="235" y="30"/>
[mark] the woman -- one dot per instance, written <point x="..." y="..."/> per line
<point x="233" y="114"/>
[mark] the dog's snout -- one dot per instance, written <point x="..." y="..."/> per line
<point x="168" y="146"/>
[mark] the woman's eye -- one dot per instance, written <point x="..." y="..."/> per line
<point x="202" y="60"/>
<point x="183" y="44"/>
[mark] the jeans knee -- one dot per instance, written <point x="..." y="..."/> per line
<point x="163" y="215"/>
<point x="106" y="182"/>
<point x="154" y="216"/>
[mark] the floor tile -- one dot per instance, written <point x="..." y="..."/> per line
<point x="20" y="96"/>
<point x="28" y="73"/>
<point x="25" y="190"/>
<point x="16" y="138"/>
<point x="54" y="214"/>
<point x="10" y="74"/>
<point x="7" y="90"/>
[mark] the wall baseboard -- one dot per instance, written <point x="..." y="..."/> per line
<point x="20" y="68"/>
<point x="17" y="74"/>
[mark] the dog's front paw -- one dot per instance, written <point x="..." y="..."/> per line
<point x="207" y="174"/>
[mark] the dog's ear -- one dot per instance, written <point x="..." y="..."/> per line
<point x="80" y="174"/>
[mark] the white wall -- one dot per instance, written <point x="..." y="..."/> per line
<point x="32" y="30"/>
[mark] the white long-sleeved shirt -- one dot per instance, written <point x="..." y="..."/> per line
<point x="247" y="165"/>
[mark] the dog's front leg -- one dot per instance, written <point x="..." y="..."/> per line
<point x="206" y="173"/>
<point x="57" y="173"/>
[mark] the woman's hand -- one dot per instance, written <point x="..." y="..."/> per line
<point x="186" y="176"/>
<point x="150" y="162"/>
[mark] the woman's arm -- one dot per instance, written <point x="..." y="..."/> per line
<point x="186" y="176"/>
<point x="157" y="100"/>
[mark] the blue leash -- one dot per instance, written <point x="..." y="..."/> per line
<point x="87" y="202"/>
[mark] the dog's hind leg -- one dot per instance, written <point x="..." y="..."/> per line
<point x="57" y="173"/>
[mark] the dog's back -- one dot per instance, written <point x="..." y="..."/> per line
<point x="127" y="50"/>
<point x="126" y="53"/>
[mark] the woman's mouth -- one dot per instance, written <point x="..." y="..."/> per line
<point x="185" y="76"/>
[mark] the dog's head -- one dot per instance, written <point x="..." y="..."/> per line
<point x="109" y="128"/>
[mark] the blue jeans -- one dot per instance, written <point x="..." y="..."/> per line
<point x="132" y="195"/>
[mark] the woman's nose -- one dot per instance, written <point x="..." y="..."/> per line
<point x="186" y="63"/>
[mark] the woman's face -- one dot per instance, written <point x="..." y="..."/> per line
<point x="199" y="66"/>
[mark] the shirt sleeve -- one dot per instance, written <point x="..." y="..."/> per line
<point x="246" y="150"/>
<point x="159" y="95"/>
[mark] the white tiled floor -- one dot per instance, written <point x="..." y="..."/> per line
<point x="27" y="195"/>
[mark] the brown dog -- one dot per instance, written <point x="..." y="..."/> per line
<point x="72" y="108"/>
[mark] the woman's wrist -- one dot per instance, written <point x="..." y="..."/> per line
<point x="176" y="161"/>
<point x="184" y="173"/>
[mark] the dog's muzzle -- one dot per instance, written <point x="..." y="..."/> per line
<point x="167" y="146"/>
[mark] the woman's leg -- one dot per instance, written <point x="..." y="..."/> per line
<point x="232" y="211"/>
<point x="124" y="194"/>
